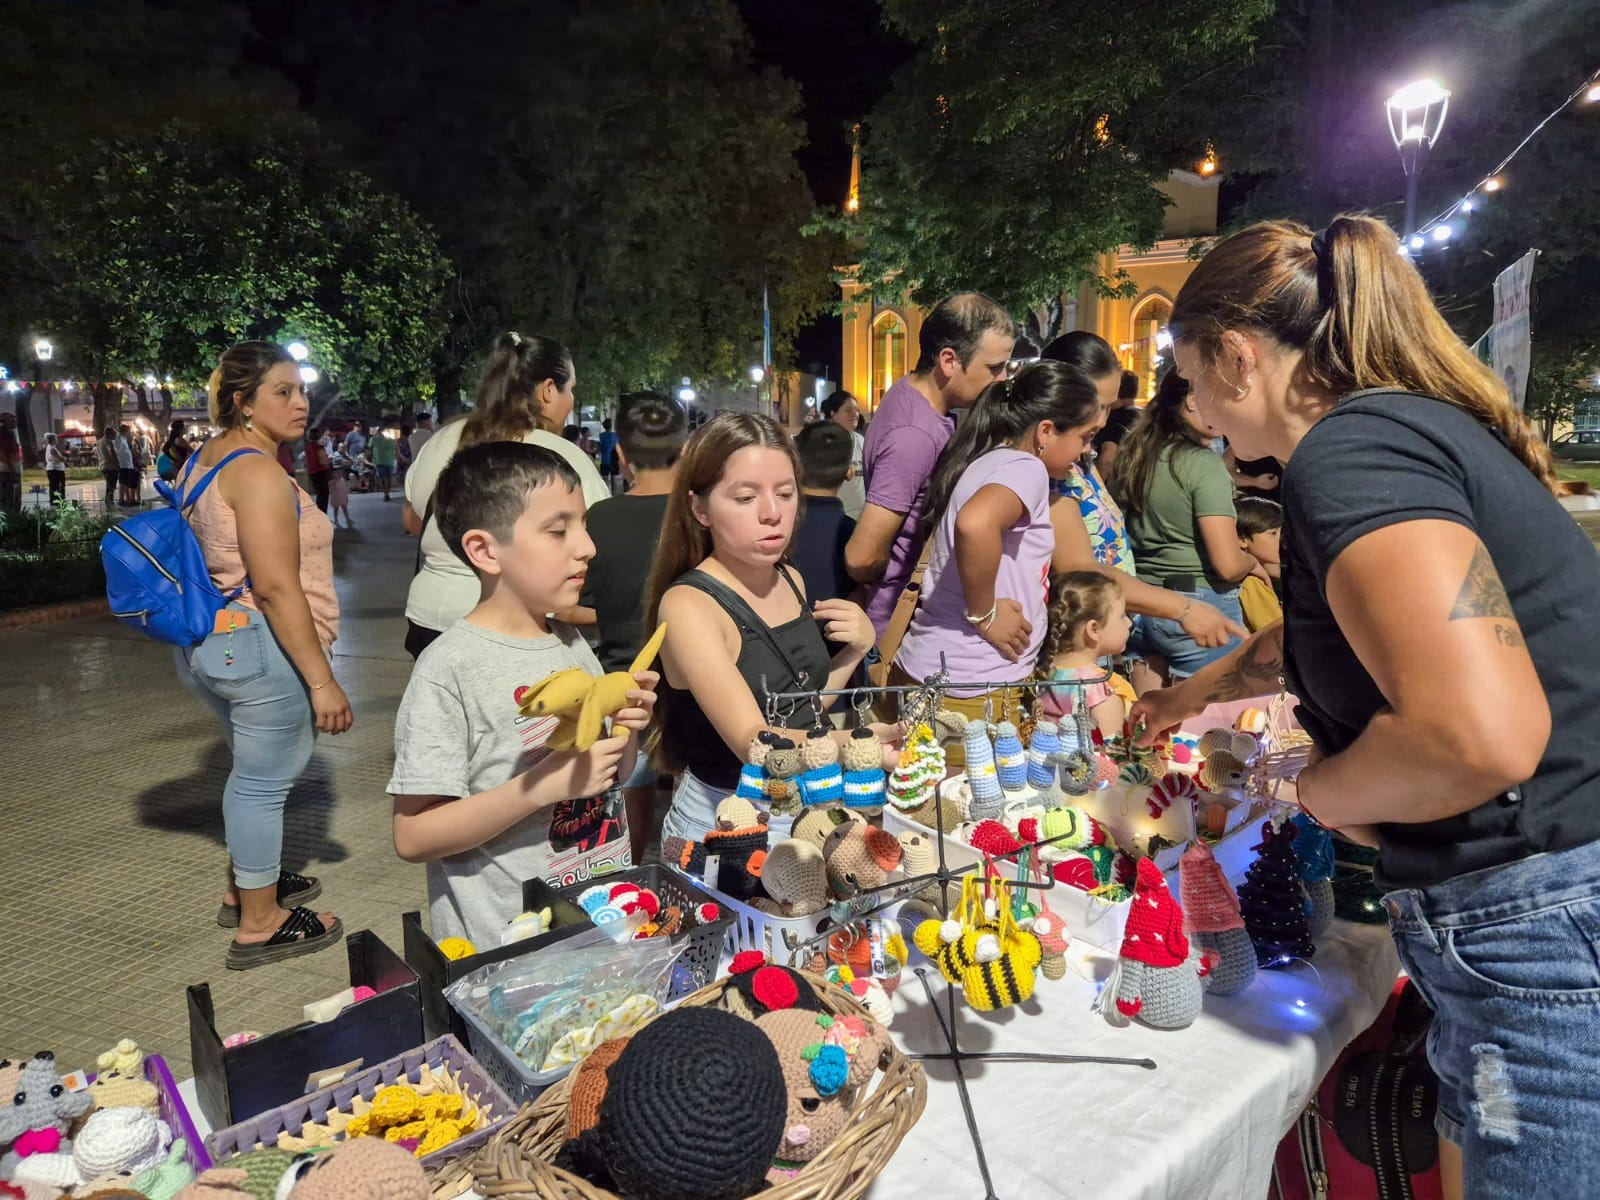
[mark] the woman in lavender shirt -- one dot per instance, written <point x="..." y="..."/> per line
<point x="983" y="598"/>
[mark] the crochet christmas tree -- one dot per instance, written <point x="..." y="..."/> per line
<point x="1272" y="903"/>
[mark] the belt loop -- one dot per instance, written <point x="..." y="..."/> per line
<point x="1407" y="915"/>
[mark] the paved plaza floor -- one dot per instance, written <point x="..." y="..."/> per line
<point x="111" y="857"/>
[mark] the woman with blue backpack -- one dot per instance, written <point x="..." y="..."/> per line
<point x="264" y="666"/>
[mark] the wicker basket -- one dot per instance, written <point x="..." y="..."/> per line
<point x="515" y="1165"/>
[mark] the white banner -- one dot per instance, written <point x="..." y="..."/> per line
<point x="1510" y="338"/>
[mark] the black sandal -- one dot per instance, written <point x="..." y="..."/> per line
<point x="293" y="890"/>
<point x="300" y="933"/>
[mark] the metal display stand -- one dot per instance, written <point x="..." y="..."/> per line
<point x="925" y="699"/>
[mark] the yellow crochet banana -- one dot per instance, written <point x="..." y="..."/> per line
<point x="581" y="701"/>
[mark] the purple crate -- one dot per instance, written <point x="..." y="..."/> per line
<point x="291" y="1118"/>
<point x="175" y="1113"/>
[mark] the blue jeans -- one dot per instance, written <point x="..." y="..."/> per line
<point x="694" y="812"/>
<point x="1509" y="960"/>
<point x="267" y="721"/>
<point x="1185" y="656"/>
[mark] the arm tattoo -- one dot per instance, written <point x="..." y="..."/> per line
<point x="1258" y="670"/>
<point x="1482" y="594"/>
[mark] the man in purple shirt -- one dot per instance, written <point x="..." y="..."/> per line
<point x="964" y="346"/>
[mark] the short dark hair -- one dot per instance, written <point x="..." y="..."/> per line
<point x="959" y="322"/>
<point x="606" y="424"/>
<point x="487" y="486"/>
<point x="651" y="429"/>
<point x="1128" y="389"/>
<point x="826" y="449"/>
<point x="1257" y="515"/>
<point x="1088" y="352"/>
<point x="424" y="415"/>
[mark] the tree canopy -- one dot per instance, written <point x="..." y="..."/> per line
<point x="1027" y="136"/>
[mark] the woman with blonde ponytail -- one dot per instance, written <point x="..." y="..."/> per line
<point x="1440" y="610"/>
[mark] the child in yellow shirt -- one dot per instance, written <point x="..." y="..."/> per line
<point x="1260" y="524"/>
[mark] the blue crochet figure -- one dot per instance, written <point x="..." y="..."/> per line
<point x="1041" y="770"/>
<point x="753" y="774"/>
<point x="39" y="1114"/>
<point x="822" y="781"/>
<point x="864" y="778"/>
<point x="1313" y="851"/>
<point x="1010" y="758"/>
<point x="982" y="778"/>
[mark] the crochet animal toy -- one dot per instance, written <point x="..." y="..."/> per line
<point x="919" y="856"/>
<point x="1158" y="974"/>
<point x="783" y="768"/>
<point x="1211" y="918"/>
<point x="115" y="1087"/>
<point x="755" y="986"/>
<point x="795" y="878"/>
<point x="821" y="781"/>
<point x="252" y="1176"/>
<point x="40" y="1114"/>
<point x="125" y="1058"/>
<point x="826" y="1061"/>
<point x="859" y="858"/>
<point x="695" y="1107"/>
<point x="753" y="774"/>
<point x="581" y="702"/>
<point x="166" y="1179"/>
<point x="815" y="824"/>
<point x="864" y="776"/>
<point x="982" y="949"/>
<point x="525" y="925"/>
<point x="740" y="843"/>
<point x="869" y="993"/>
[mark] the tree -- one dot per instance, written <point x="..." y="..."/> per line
<point x="167" y="248"/>
<point x="1272" y="902"/>
<point x="1026" y="139"/>
<point x="636" y="221"/>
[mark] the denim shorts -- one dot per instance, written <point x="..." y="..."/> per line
<point x="1508" y="958"/>
<point x="1184" y="655"/>
<point x="694" y="811"/>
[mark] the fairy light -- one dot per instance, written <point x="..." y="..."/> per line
<point x="1492" y="182"/>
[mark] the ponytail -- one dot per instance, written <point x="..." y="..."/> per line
<point x="1358" y="310"/>
<point x="1004" y="412"/>
<point x="507" y="407"/>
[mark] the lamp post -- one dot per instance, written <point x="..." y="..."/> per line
<point x="1416" y="118"/>
<point x="757" y="374"/>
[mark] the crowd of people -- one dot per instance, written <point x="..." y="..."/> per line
<point x="1437" y="600"/>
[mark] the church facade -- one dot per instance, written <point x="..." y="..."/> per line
<point x="880" y="340"/>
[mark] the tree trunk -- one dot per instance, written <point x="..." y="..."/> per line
<point x="107" y="407"/>
<point x="26" y="433"/>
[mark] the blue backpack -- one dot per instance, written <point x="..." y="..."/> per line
<point x="156" y="575"/>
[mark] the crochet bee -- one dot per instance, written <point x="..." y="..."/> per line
<point x="994" y="966"/>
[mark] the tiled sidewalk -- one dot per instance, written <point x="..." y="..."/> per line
<point x="111" y="859"/>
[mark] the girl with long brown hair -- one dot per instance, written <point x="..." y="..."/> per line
<point x="1440" y="610"/>
<point x="739" y="626"/>
<point x="525" y="394"/>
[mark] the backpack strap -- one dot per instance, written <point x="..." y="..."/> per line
<point x="185" y="499"/>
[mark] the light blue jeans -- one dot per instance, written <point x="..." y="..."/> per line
<point x="269" y="726"/>
<point x="1184" y="655"/>
<point x="1508" y="958"/>
<point x="694" y="812"/>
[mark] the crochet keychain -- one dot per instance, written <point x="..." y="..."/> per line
<point x="982" y="949"/>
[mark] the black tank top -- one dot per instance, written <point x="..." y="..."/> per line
<point x="782" y="653"/>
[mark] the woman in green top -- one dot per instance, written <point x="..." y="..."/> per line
<point x="1178" y="501"/>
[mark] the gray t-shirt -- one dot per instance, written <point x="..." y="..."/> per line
<point x="459" y="733"/>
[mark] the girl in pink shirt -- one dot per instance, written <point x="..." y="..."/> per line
<point x="1088" y="624"/>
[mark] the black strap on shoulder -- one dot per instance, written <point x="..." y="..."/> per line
<point x="750" y="624"/>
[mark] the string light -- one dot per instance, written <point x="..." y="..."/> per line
<point x="1589" y="89"/>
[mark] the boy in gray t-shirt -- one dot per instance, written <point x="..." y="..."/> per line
<point x="478" y="795"/>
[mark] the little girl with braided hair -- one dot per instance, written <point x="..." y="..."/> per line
<point x="1088" y="624"/>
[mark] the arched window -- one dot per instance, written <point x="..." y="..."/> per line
<point x="1147" y="327"/>
<point x="888" y="353"/>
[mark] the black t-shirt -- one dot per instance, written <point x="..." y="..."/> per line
<point x="1384" y="458"/>
<point x="1119" y="423"/>
<point x="818" y="549"/>
<point x="625" y="530"/>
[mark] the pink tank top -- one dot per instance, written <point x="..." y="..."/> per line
<point x="213" y="523"/>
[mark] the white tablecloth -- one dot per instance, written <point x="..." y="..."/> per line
<point x="1204" y="1124"/>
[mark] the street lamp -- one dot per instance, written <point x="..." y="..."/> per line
<point x="308" y="375"/>
<point x="757" y="374"/>
<point x="686" y="392"/>
<point x="43" y="350"/>
<point x="1416" y="118"/>
<point x="298" y="351"/>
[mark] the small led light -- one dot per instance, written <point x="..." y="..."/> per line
<point x="1299" y="1003"/>
<point x="1416" y="241"/>
<point x="1441" y="233"/>
<point x="1468" y="206"/>
<point x="1491" y="185"/>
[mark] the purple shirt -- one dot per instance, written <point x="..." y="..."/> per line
<point x="904" y="441"/>
<point x="941" y="625"/>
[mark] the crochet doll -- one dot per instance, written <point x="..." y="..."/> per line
<point x="1211" y="918"/>
<point x="826" y="1061"/>
<point x="783" y="769"/>
<point x="1158" y="974"/>
<point x="859" y="858"/>
<point x="795" y="879"/>
<point x="753" y="775"/>
<point x="694" y="1109"/>
<point x="864" y="777"/>
<point x="740" y="843"/>
<point x="755" y="986"/>
<point x="821" y="781"/>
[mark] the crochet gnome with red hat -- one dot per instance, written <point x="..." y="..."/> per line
<point x="1158" y="974"/>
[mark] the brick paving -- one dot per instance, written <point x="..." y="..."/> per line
<point x="111" y="860"/>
